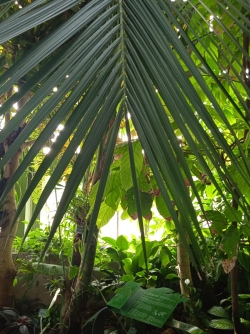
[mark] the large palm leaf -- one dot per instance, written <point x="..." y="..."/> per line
<point x="137" y="53"/>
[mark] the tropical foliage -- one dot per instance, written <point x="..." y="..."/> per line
<point x="170" y="77"/>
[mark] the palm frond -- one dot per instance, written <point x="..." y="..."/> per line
<point x="156" y="57"/>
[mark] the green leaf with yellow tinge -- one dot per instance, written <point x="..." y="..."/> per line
<point x="143" y="183"/>
<point x="113" y="182"/>
<point x="125" y="172"/>
<point x="112" y="190"/>
<point x="138" y="157"/>
<point x="122" y="243"/>
<point x="92" y="195"/>
<point x="222" y="324"/>
<point x="105" y="214"/>
<point x="113" y="198"/>
<point x="165" y="256"/>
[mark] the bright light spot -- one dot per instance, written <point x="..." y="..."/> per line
<point x="0" y="105"/>
<point x="53" y="139"/>
<point x="156" y="90"/>
<point x="227" y="7"/>
<point x="224" y="71"/>
<point x="20" y="6"/>
<point x="78" y="150"/>
<point x="177" y="29"/>
<point x="187" y="281"/>
<point x="179" y="36"/>
<point x="46" y="149"/>
<point x="211" y="29"/>
<point x="15" y="89"/>
<point x="67" y="76"/>
<point x="60" y="127"/>
<point x="247" y="76"/>
<point x="142" y="151"/>
<point x="16" y="2"/>
<point x="55" y="89"/>
<point x="247" y="70"/>
<point x="211" y="17"/>
<point x="13" y="114"/>
<point x="15" y="105"/>
<point x="129" y="116"/>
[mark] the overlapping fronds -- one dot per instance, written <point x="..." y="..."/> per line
<point x="168" y="64"/>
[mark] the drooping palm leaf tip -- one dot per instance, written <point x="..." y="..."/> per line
<point x="162" y="61"/>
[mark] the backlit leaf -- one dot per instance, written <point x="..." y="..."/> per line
<point x="104" y="216"/>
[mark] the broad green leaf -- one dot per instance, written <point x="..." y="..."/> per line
<point x="223" y="324"/>
<point x="113" y="182"/>
<point x="112" y="199"/>
<point x="146" y="203"/>
<point x="122" y="243"/>
<point x="132" y="209"/>
<point x="143" y="183"/>
<point x="244" y="296"/>
<point x="128" y="266"/>
<point x="127" y="278"/>
<point x="125" y="172"/>
<point x="246" y="230"/>
<point x="104" y="216"/>
<point x="92" y="195"/>
<point x="165" y="256"/>
<point x="73" y="272"/>
<point x="171" y="276"/>
<point x="113" y="254"/>
<point x="110" y="241"/>
<point x="230" y="241"/>
<point x="125" y="215"/>
<point x="219" y="312"/>
<point x="233" y="215"/>
<point x="161" y="206"/>
<point x="138" y="157"/>
<point x="216" y="216"/>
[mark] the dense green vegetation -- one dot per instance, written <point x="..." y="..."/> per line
<point x="153" y="102"/>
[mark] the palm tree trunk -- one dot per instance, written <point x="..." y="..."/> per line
<point x="7" y="234"/>
<point x="77" y="296"/>
<point x="183" y="263"/>
<point x="7" y="231"/>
